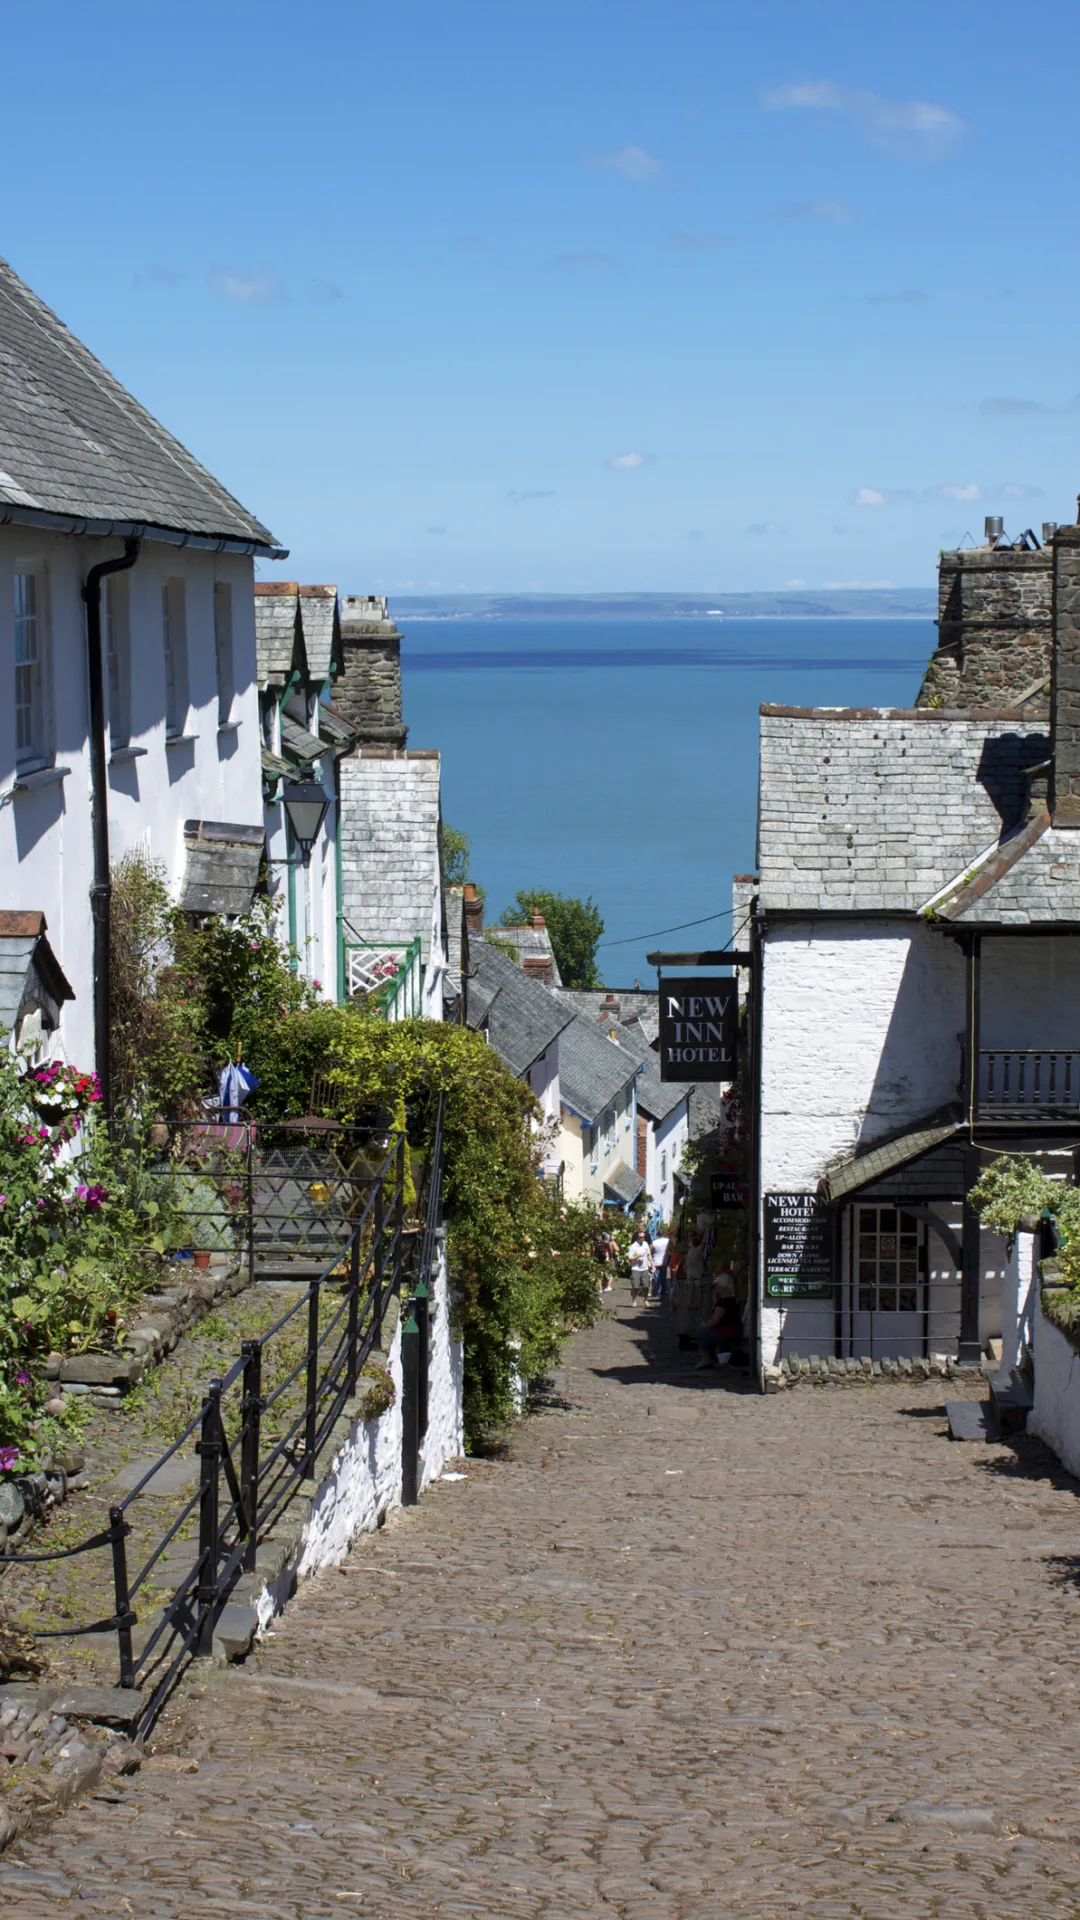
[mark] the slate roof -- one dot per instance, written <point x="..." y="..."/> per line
<point x="303" y="745"/>
<point x="389" y="826"/>
<point x="74" y="444"/>
<point x="223" y="861"/>
<point x="279" y="638"/>
<point x="520" y="1016"/>
<point x="1031" y="879"/>
<point x="623" y="1183"/>
<point x="593" y="1070"/>
<point x="24" y="951"/>
<point x="334" y="726"/>
<point x="322" y="630"/>
<point x="870" y="810"/>
<point x="885" y="1157"/>
<point x="638" y="1010"/>
<point x="533" y="943"/>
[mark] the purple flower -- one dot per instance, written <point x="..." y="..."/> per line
<point x="9" y="1459"/>
<point x="22" y="1379"/>
<point x="92" y="1197"/>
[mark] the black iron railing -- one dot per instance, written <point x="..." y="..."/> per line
<point x="1028" y="1084"/>
<point x="262" y="1428"/>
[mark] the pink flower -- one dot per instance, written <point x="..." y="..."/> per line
<point x="9" y="1459"/>
<point x="22" y="1379"/>
<point x="317" y="984"/>
<point x="91" y="1197"/>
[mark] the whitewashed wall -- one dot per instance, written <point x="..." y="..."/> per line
<point x="363" y="1481"/>
<point x="665" y="1143"/>
<point x="861" y="1036"/>
<point x="45" y="846"/>
<point x="1055" y="1417"/>
<point x="314" y="926"/>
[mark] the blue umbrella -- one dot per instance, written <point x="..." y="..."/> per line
<point x="237" y="1081"/>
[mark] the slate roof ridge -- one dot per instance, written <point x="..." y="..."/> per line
<point x="976" y="715"/>
<point x="958" y="895"/>
<point x="60" y="338"/>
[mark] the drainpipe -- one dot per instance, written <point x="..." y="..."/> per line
<point x="101" y="885"/>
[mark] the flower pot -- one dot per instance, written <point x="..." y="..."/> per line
<point x="202" y="1259"/>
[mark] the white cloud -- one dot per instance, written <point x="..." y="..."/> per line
<point x="246" y="289"/>
<point x="518" y="499"/>
<point x="949" y="490"/>
<point x="826" y="213"/>
<point x="878" y="496"/>
<point x="635" y="162"/>
<point x="903" y="125"/>
<point x="1014" y="490"/>
<point x="626" y="462"/>
<point x="795" y="583"/>
<point x="845" y="586"/>
<point x="773" y="529"/>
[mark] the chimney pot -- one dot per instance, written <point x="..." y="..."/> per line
<point x="474" y="908"/>
<point x="994" y="527"/>
<point x="538" y="923"/>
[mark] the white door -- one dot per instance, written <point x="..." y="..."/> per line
<point x="888" y="1289"/>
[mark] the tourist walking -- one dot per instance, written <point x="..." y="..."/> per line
<point x="641" y="1266"/>
<point x="660" y="1248"/>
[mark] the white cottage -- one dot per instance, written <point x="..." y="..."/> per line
<point x="128" y="644"/>
<point x="915" y="1006"/>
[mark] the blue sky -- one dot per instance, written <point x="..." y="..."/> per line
<point x="573" y="294"/>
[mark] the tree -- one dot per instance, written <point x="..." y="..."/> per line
<point x="575" y="927"/>
<point x="456" y="849"/>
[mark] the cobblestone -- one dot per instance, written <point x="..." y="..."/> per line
<point x="687" y="1653"/>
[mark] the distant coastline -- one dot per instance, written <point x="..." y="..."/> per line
<point x="863" y="603"/>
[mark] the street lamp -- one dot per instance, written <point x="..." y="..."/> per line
<point x="305" y="805"/>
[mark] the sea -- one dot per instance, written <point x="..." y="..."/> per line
<point x="617" y="759"/>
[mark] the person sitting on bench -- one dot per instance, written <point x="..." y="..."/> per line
<point x="722" y="1333"/>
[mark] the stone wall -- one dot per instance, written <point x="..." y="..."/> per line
<point x="363" y="1481"/>
<point x="1065" y="688"/>
<point x="994" y="628"/>
<point x="368" y="689"/>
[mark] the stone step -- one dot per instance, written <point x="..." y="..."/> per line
<point x="1013" y="1396"/>
<point x="971" y="1420"/>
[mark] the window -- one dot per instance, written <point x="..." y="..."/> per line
<point x="663" y="1170"/>
<point x="174" y="624"/>
<point x="118" y="658"/>
<point x="31" y="727"/>
<point x="890" y="1266"/>
<point x="223" y="651"/>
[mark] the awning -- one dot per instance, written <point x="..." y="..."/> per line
<point x="30" y="974"/>
<point x="304" y="746"/>
<point x="223" y="862"/>
<point x="336" y="728"/>
<point x="864" y="1168"/>
<point x="274" y="768"/>
<point x="623" y="1184"/>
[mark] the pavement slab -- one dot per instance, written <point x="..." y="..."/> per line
<point x="685" y="1652"/>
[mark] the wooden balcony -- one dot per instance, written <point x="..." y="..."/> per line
<point x="1029" y="1087"/>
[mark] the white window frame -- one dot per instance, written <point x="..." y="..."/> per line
<point x="118" y="658"/>
<point x="223" y="652"/>
<point x="32" y="677"/>
<point x="174" y="642"/>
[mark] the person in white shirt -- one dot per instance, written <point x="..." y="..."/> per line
<point x="660" y="1262"/>
<point x="641" y="1266"/>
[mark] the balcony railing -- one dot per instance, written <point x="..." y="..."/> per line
<point x="391" y="974"/>
<point x="1032" y="1085"/>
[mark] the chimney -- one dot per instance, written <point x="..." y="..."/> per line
<point x="994" y="626"/>
<point x="368" y="688"/>
<point x="538" y="923"/>
<point x="539" y="967"/>
<point x="1065" y="681"/>
<point x="474" y="909"/>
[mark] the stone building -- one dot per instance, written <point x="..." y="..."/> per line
<point x="914" y="1008"/>
<point x="994" y="624"/>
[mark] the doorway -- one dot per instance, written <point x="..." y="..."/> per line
<point x="888" y="1283"/>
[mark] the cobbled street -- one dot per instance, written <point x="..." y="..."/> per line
<point x="688" y="1653"/>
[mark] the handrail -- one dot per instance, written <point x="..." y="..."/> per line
<point x="257" y="1484"/>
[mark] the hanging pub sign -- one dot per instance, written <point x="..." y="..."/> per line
<point x="699" y="1024"/>
<point x="798" y="1247"/>
<point x="726" y="1193"/>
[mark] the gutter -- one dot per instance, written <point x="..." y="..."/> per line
<point x="135" y="530"/>
<point x="101" y="884"/>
